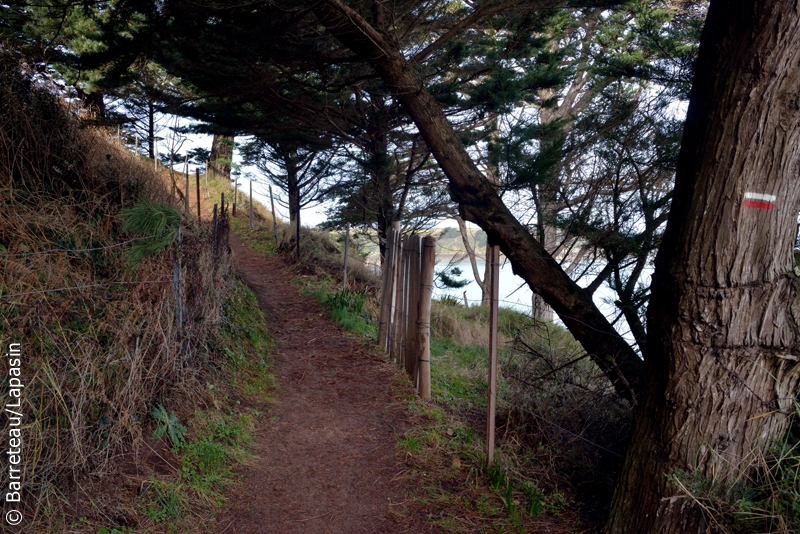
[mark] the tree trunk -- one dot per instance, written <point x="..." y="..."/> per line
<point x="293" y="192"/>
<point x="547" y="212"/>
<point x="722" y="360"/>
<point x="151" y="130"/>
<point x="482" y="282"/>
<point x="382" y="175"/>
<point x="221" y="155"/>
<point x="292" y="185"/>
<point x="479" y="202"/>
<point x="380" y="169"/>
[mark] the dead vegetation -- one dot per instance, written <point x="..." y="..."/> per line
<point x="100" y="343"/>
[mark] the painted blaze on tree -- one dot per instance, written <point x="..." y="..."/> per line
<point x="721" y="363"/>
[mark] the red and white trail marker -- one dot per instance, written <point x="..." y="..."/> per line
<point x="757" y="200"/>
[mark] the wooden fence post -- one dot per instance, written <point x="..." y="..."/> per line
<point x="413" y="306"/>
<point x="298" y="234"/>
<point x="197" y="174"/>
<point x="494" y="259"/>
<point x="251" y="204"/>
<point x="214" y="224"/>
<point x="391" y="331"/>
<point x="424" y="321"/>
<point x="406" y="296"/>
<point x="208" y="194"/>
<point x="387" y="290"/>
<point x="402" y="298"/>
<point x="274" y="220"/>
<point x="186" y="196"/>
<point x="155" y="155"/>
<point x="346" y="252"/>
<point x="235" y="195"/>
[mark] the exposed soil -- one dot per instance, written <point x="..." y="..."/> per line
<point x="326" y="459"/>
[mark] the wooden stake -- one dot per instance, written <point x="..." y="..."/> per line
<point x="214" y="223"/>
<point x="424" y="321"/>
<point x="390" y="331"/>
<point x="274" y="219"/>
<point x="494" y="259"/>
<point x="155" y="156"/>
<point x="251" y="205"/>
<point x="413" y="305"/>
<point x="466" y="302"/>
<point x="385" y="316"/>
<point x="208" y="195"/>
<point x="298" y="234"/>
<point x="397" y="326"/>
<point x="186" y="195"/>
<point x="172" y="175"/>
<point x="235" y="195"/>
<point x="402" y="300"/>
<point x="346" y="250"/>
<point x="197" y="174"/>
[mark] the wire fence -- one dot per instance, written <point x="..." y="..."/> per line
<point x="93" y="249"/>
<point x="72" y="288"/>
<point x="181" y="229"/>
<point x="557" y="426"/>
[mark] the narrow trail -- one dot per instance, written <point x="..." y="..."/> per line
<point x="325" y="461"/>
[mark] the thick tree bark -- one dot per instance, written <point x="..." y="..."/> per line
<point x="221" y="155"/>
<point x="722" y="356"/>
<point x="479" y="202"/>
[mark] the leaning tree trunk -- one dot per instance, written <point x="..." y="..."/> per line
<point x="722" y="360"/>
<point x="479" y="202"/>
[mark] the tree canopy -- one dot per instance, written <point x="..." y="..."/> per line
<point x="556" y="127"/>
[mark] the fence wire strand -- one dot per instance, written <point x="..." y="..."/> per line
<point x="84" y="287"/>
<point x="115" y="245"/>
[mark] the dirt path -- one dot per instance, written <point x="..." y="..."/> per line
<point x="326" y="460"/>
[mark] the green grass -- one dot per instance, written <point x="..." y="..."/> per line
<point x="458" y="375"/>
<point x="261" y="240"/>
<point x="347" y="308"/>
<point x="245" y="343"/>
<point x="219" y="444"/>
<point x="217" y="438"/>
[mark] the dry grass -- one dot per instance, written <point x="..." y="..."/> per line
<point x="94" y="360"/>
<point x="560" y="424"/>
<point x="464" y="326"/>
